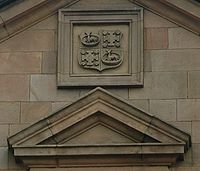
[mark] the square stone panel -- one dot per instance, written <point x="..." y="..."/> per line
<point x="100" y="48"/>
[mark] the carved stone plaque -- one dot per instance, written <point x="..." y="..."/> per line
<point x="100" y="48"/>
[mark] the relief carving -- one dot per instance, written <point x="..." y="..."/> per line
<point x="100" y="50"/>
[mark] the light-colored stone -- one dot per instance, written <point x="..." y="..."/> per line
<point x="33" y="111"/>
<point x="15" y="128"/>
<point x="39" y="40"/>
<point x="153" y="20"/>
<point x="59" y="105"/>
<point x="188" y="168"/>
<point x="141" y="104"/>
<point x="194" y="84"/>
<point x="181" y="38"/>
<point x="14" y="87"/>
<point x="43" y="88"/>
<point x="195" y="132"/>
<point x="49" y="23"/>
<point x="156" y="38"/>
<point x="4" y="135"/>
<point x="19" y="62"/>
<point x="49" y="62"/>
<point x="188" y="109"/>
<point x="184" y="126"/>
<point x="9" y="112"/>
<point x="174" y="60"/>
<point x="161" y="85"/>
<point x="196" y="154"/>
<point x="3" y="158"/>
<point x="163" y="109"/>
<point x="147" y="61"/>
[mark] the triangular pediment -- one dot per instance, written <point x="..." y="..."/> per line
<point x="100" y="124"/>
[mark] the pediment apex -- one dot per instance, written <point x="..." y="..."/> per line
<point x="70" y="127"/>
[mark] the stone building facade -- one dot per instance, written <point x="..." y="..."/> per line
<point x="28" y="73"/>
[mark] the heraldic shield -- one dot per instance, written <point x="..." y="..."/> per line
<point x="101" y="50"/>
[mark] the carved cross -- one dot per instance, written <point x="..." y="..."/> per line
<point x="90" y="58"/>
<point x="111" y="38"/>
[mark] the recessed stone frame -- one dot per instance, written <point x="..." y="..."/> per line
<point x="99" y="129"/>
<point x="100" y="48"/>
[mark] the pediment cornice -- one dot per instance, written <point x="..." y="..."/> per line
<point x="102" y="126"/>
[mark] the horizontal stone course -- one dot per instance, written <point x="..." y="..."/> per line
<point x="156" y="38"/>
<point x="40" y="40"/>
<point x="188" y="110"/>
<point x="20" y="62"/>
<point x="44" y="88"/>
<point x="181" y="38"/>
<point x="34" y="111"/>
<point x="14" y="87"/>
<point x="194" y="84"/>
<point x="9" y="112"/>
<point x="195" y="132"/>
<point x="174" y="60"/>
<point x="161" y="85"/>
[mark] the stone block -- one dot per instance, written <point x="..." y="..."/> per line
<point x="181" y="38"/>
<point x="44" y="88"/>
<point x="153" y="20"/>
<point x="3" y="158"/>
<point x="174" y="60"/>
<point x="33" y="111"/>
<point x="194" y="84"/>
<point x="184" y="126"/>
<point x="195" y="132"/>
<point x="40" y="40"/>
<point x="49" y="23"/>
<point x="163" y="109"/>
<point x="4" y="135"/>
<point x="196" y="154"/>
<point x="188" y="110"/>
<point x="156" y="38"/>
<point x="15" y="128"/>
<point x="161" y="85"/>
<point x="147" y="61"/>
<point x="14" y="87"/>
<point x="49" y="63"/>
<point x="187" y="168"/>
<point x="19" y="62"/>
<point x="9" y="112"/>
<point x="141" y="104"/>
<point x="59" y="105"/>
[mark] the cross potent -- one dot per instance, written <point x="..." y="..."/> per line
<point x="111" y="39"/>
<point x="90" y="58"/>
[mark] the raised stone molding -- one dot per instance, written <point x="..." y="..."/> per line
<point x="100" y="47"/>
<point x="99" y="129"/>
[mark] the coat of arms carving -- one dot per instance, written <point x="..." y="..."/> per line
<point x="100" y="50"/>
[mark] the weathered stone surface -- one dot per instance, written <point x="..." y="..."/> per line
<point x="40" y="40"/>
<point x="59" y="105"/>
<point x="153" y="20"/>
<point x="3" y="158"/>
<point x="156" y="38"/>
<point x="14" y="87"/>
<point x="188" y="110"/>
<point x="49" y="23"/>
<point x="194" y="84"/>
<point x="181" y="38"/>
<point x="174" y="60"/>
<point x="20" y="62"/>
<point x="49" y="62"/>
<point x="9" y="112"/>
<point x="141" y="104"/>
<point x="43" y="88"/>
<point x="195" y="132"/>
<point x="147" y="61"/>
<point x="162" y="85"/>
<point x="163" y="109"/>
<point x="196" y="154"/>
<point x="184" y="126"/>
<point x="4" y="135"/>
<point x="33" y="111"/>
<point x="15" y="128"/>
<point x="188" y="168"/>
